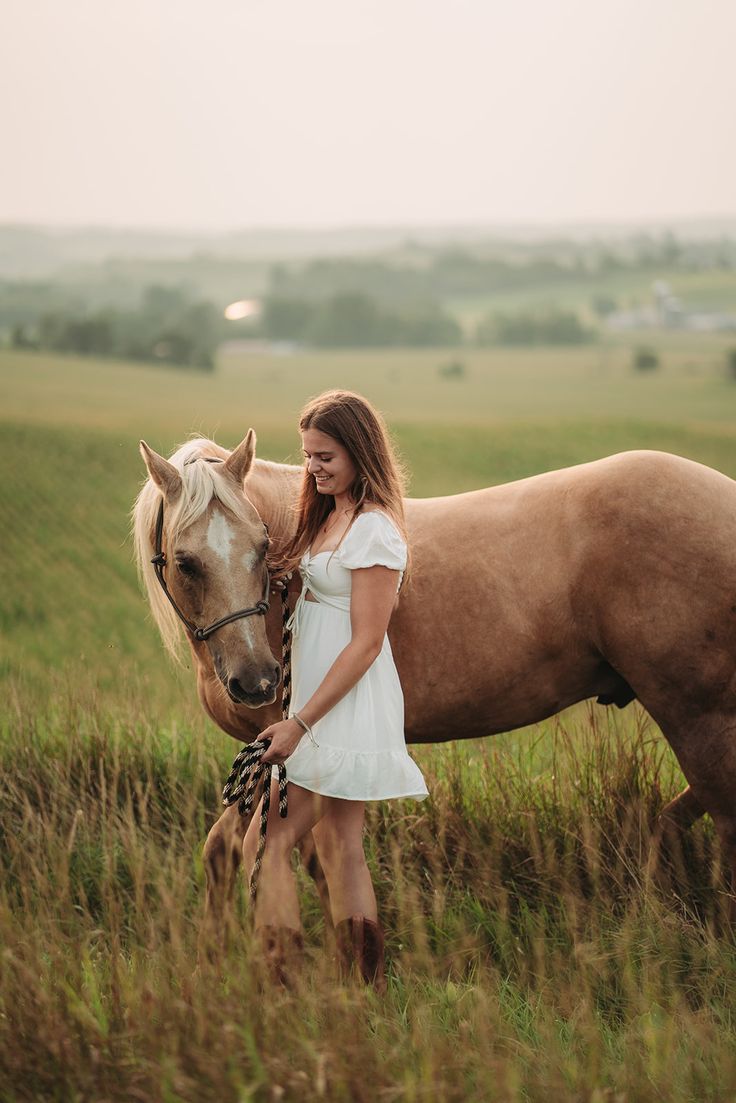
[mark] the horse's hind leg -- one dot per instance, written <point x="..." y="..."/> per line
<point x="726" y="828"/>
<point x="672" y="823"/>
<point x="708" y="759"/>
<point x="681" y="813"/>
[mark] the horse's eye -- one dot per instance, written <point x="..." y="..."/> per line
<point x="187" y="567"/>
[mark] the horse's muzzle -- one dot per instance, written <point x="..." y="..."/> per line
<point x="253" y="697"/>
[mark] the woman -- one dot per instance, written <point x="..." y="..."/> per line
<point x="343" y="743"/>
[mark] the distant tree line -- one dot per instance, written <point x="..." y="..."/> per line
<point x="424" y="274"/>
<point x="548" y="327"/>
<point x="407" y="297"/>
<point x="167" y="328"/>
<point x="449" y="274"/>
<point x="356" y="320"/>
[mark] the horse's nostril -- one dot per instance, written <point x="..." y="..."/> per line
<point x="235" y="687"/>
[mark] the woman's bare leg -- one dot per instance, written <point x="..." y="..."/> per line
<point x="338" y="837"/>
<point x="277" y="903"/>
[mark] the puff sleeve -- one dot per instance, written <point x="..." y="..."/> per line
<point x="374" y="540"/>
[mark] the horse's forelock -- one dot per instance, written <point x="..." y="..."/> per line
<point x="203" y="483"/>
<point x="194" y="449"/>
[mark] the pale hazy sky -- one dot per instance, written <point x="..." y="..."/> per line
<point x="243" y="113"/>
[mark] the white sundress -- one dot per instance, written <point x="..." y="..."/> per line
<point x="360" y="751"/>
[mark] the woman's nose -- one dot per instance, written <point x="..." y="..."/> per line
<point x="313" y="467"/>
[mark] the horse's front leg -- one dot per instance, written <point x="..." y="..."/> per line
<point x="222" y="856"/>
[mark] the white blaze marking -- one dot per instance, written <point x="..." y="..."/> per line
<point x="247" y="633"/>
<point x="220" y="536"/>
<point x="250" y="559"/>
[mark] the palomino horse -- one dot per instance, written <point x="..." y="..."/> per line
<point x="613" y="579"/>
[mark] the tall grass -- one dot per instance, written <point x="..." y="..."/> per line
<point x="532" y="955"/>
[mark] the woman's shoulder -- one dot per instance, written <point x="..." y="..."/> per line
<point x="380" y="511"/>
<point x="375" y="520"/>
<point x="374" y="537"/>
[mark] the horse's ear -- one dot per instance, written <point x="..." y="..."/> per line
<point x="241" y="458"/>
<point x="163" y="473"/>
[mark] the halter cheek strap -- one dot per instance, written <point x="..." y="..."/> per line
<point x="200" y="634"/>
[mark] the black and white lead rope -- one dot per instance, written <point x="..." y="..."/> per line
<point x="248" y="769"/>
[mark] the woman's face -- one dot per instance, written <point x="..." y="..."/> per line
<point x="328" y="462"/>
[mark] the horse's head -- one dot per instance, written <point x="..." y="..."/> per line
<point x="214" y="562"/>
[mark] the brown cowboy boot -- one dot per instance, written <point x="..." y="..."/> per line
<point x="360" y="947"/>
<point x="282" y="949"/>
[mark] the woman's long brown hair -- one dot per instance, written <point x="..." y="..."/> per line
<point x="380" y="474"/>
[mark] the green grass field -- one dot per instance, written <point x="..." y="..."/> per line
<point x="591" y="383"/>
<point x="532" y="957"/>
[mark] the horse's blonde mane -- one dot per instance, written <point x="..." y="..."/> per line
<point x="202" y="483"/>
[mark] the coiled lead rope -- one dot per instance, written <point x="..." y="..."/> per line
<point x="248" y="769"/>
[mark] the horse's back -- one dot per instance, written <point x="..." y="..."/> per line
<point x="602" y="505"/>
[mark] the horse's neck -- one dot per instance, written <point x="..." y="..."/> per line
<point x="273" y="488"/>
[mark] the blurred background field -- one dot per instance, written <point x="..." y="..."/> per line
<point x="445" y="386"/>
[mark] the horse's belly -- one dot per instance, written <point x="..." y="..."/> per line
<point x="504" y="691"/>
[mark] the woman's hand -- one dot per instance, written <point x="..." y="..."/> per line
<point x="280" y="584"/>
<point x="283" y="738"/>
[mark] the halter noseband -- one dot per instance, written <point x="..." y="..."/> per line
<point x="159" y="562"/>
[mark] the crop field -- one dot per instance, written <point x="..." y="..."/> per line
<point x="535" y="951"/>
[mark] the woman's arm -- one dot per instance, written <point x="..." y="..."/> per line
<point x="371" y="604"/>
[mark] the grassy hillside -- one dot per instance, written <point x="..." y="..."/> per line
<point x="532" y="956"/>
